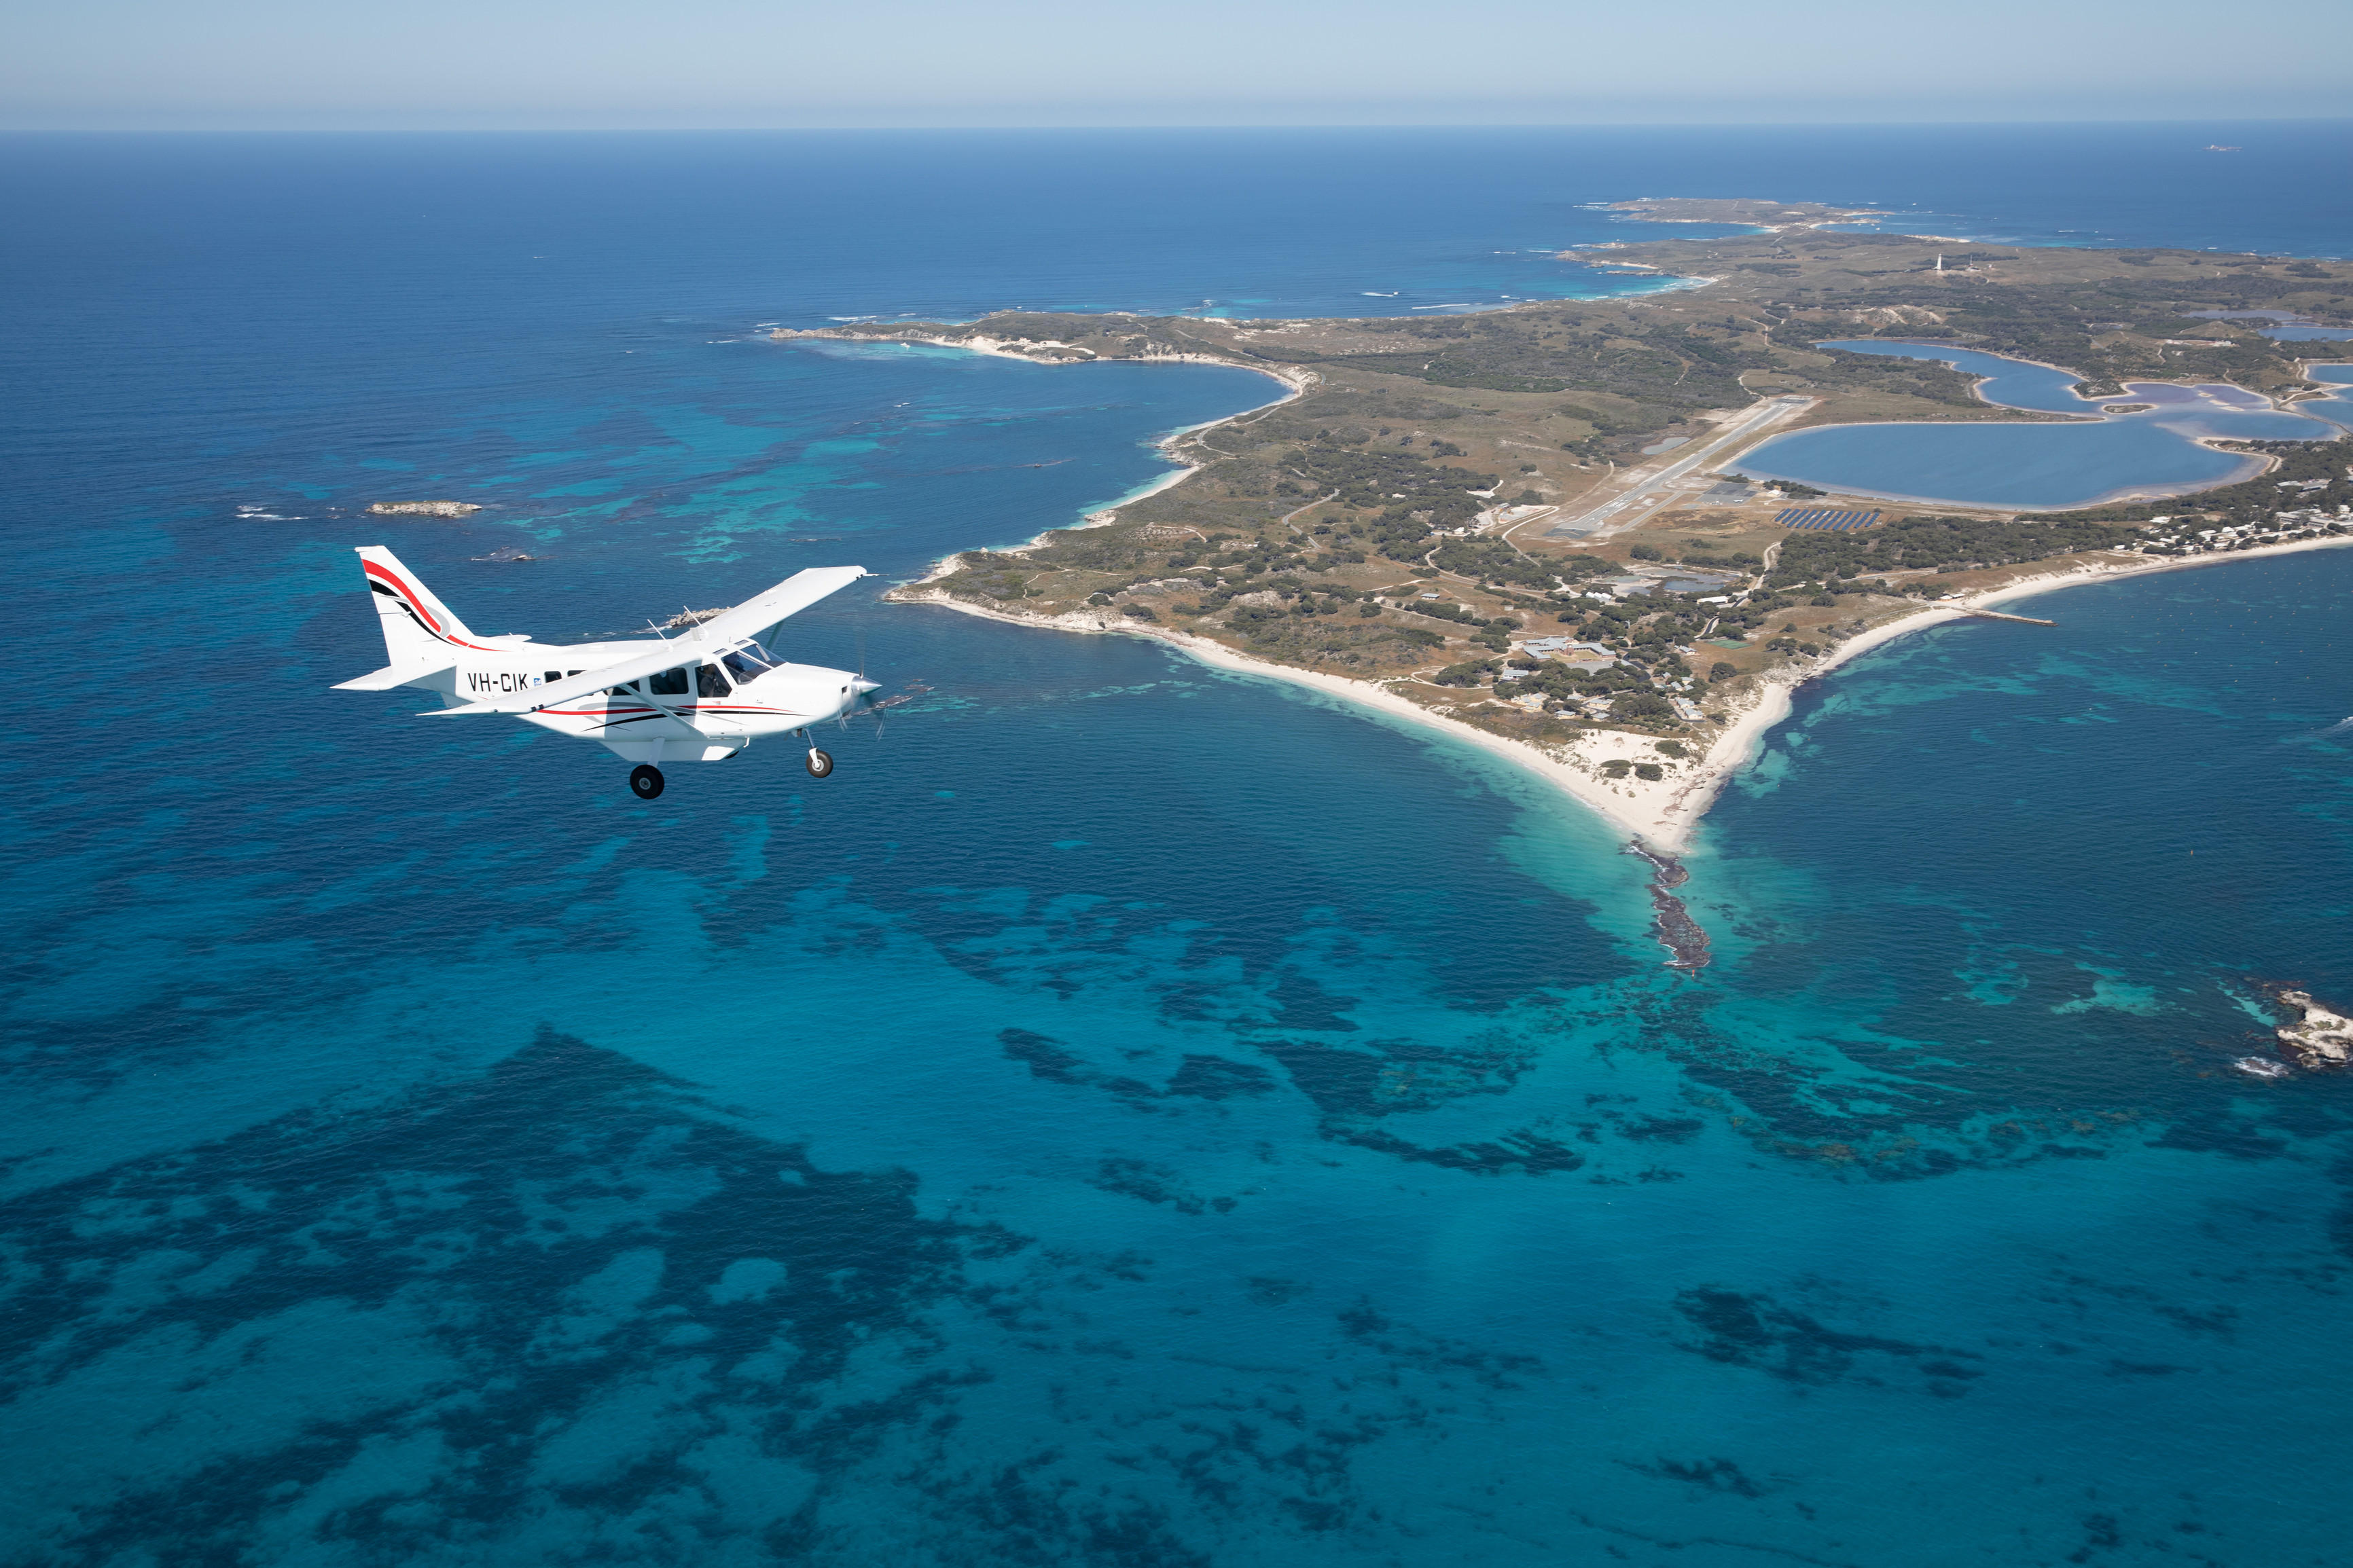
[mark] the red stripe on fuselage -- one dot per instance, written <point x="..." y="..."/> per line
<point x="609" y="712"/>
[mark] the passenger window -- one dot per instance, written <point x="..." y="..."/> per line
<point x="708" y="682"/>
<point x="668" y="683"/>
<point x="552" y="676"/>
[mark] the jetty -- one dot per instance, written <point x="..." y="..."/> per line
<point x="1997" y="616"/>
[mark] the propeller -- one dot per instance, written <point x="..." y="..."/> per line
<point x="865" y="689"/>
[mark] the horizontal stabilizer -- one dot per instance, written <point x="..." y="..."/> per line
<point x="755" y="614"/>
<point x="392" y="675"/>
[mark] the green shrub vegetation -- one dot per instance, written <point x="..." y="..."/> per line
<point x="1306" y="507"/>
<point x="1943" y="543"/>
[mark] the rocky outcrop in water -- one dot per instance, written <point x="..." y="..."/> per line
<point x="1677" y="931"/>
<point x="2322" y="1039"/>
<point x="423" y="508"/>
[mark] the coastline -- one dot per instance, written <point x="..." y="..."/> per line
<point x="1662" y="815"/>
<point x="1737" y="746"/>
<point x="1616" y="809"/>
<point x="1298" y="381"/>
<point x="1294" y="384"/>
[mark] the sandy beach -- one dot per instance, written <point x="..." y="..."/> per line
<point x="1664" y="813"/>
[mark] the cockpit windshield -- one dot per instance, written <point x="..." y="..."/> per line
<point x="750" y="662"/>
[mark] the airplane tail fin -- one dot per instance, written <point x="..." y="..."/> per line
<point x="418" y="627"/>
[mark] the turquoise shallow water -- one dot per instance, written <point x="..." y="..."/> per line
<point x="2103" y="457"/>
<point x="1129" y="1114"/>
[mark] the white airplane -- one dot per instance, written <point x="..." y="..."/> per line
<point x="702" y="696"/>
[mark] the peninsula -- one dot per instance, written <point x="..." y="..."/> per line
<point x="1529" y="527"/>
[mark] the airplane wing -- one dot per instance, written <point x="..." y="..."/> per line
<point x="763" y="610"/>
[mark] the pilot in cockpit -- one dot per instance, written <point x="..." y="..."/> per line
<point x="749" y="662"/>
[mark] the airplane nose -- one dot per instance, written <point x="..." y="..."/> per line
<point x="863" y="686"/>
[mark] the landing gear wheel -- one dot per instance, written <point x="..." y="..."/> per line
<point x="645" y="780"/>
<point x="820" y="764"/>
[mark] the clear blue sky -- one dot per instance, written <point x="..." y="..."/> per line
<point x="606" y="64"/>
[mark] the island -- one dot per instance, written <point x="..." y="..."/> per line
<point x="1530" y="526"/>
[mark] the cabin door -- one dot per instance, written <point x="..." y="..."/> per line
<point x="714" y="696"/>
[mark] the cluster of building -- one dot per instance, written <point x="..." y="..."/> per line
<point x="2162" y="538"/>
<point x="1569" y="651"/>
<point x="2311" y="522"/>
<point x="1588" y="657"/>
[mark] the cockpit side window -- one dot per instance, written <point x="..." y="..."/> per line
<point x="668" y="683"/>
<point x="708" y="682"/>
<point x="749" y="662"/>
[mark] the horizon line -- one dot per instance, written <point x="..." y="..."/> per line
<point x="1293" y="126"/>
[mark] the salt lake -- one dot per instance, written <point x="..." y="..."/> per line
<point x="2092" y="457"/>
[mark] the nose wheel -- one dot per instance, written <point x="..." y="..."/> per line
<point x="645" y="780"/>
<point x="819" y="763"/>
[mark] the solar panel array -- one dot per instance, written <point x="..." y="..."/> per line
<point x="1830" y="517"/>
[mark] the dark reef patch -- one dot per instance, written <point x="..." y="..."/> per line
<point x="2102" y="1533"/>
<point x="1715" y="1474"/>
<point x="1030" y="1519"/>
<point x="1155" y="1184"/>
<point x="530" y="1243"/>
<point x="1753" y="1331"/>
<point x="1355" y="1085"/>
<point x="1304" y="1005"/>
<point x="1408" y="1346"/>
<point x="1659" y="1128"/>
<point x="1382" y="1077"/>
<point x="1197" y="1078"/>
<point x="2145" y="1369"/>
<point x="1214" y="1077"/>
<point x="1046" y="1059"/>
<point x="1521" y="1151"/>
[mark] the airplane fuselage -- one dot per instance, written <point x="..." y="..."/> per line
<point x="702" y="712"/>
<point x="703" y="696"/>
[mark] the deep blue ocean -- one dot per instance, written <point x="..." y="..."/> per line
<point x="1130" y="1116"/>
